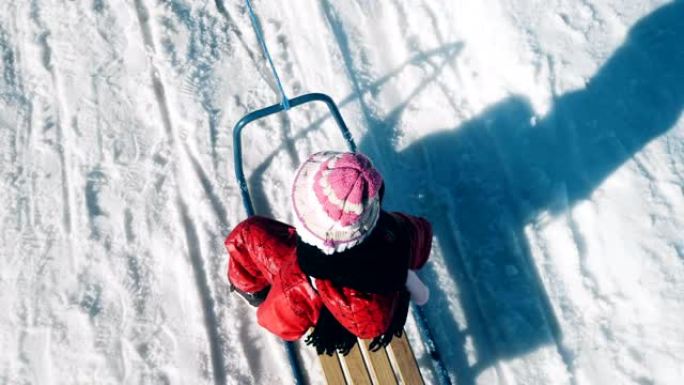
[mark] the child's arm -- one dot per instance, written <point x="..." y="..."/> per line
<point x="420" y="238"/>
<point x="419" y="232"/>
<point x="243" y="270"/>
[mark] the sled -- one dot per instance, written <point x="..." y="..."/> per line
<point x="393" y="365"/>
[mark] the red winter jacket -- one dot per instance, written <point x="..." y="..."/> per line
<point x="263" y="252"/>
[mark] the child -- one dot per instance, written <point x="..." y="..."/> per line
<point x="346" y="268"/>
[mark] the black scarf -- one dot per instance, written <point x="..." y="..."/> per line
<point x="378" y="265"/>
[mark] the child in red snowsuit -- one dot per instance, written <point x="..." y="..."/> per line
<point x="346" y="268"/>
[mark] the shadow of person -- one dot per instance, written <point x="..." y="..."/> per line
<point x="481" y="183"/>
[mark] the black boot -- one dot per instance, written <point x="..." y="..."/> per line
<point x="254" y="299"/>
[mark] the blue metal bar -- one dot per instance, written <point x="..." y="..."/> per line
<point x="274" y="109"/>
<point x="242" y="182"/>
<point x="260" y="36"/>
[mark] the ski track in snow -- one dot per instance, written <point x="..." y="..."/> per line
<point x="518" y="131"/>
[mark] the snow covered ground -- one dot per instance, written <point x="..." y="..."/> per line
<point x="543" y="139"/>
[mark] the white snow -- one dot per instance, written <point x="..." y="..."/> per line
<point x="543" y="140"/>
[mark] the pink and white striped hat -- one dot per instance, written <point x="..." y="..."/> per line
<point x="336" y="200"/>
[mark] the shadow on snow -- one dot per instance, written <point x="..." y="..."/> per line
<point x="481" y="183"/>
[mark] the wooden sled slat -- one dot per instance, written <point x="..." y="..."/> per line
<point x="379" y="365"/>
<point x="355" y="367"/>
<point x="405" y="360"/>
<point x="332" y="369"/>
<point x="383" y="367"/>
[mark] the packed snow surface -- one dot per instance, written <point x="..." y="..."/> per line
<point x="543" y="140"/>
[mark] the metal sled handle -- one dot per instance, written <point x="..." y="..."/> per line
<point x="274" y="109"/>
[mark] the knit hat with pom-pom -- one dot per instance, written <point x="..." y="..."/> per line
<point x="336" y="200"/>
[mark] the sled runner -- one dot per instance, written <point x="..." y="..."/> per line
<point x="390" y="365"/>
